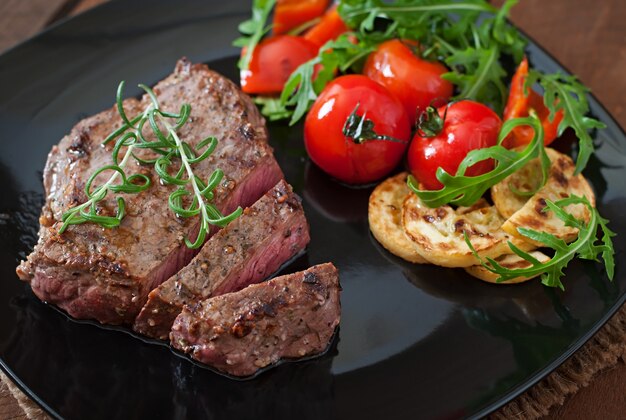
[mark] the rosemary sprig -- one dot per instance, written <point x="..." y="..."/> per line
<point x="202" y="193"/>
<point x="586" y="246"/>
<point x="127" y="136"/>
<point x="465" y="190"/>
<point x="169" y="148"/>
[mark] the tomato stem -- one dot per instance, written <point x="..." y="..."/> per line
<point x="359" y="129"/>
<point x="430" y="124"/>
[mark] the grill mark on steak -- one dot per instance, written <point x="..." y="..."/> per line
<point x="247" y="251"/>
<point x="287" y="317"/>
<point x="149" y="243"/>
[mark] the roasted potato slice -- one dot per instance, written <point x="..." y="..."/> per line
<point x="561" y="183"/>
<point x="438" y="233"/>
<point x="384" y="214"/>
<point x="511" y="262"/>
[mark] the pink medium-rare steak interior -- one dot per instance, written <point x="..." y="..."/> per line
<point x="287" y="317"/>
<point x="106" y="274"/>
<point x="247" y="251"/>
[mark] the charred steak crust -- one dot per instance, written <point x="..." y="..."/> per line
<point x="247" y="251"/>
<point x="287" y="317"/>
<point x="106" y="274"/>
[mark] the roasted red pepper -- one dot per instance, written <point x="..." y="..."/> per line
<point x="329" y="28"/>
<point x="273" y="61"/>
<point x="520" y="105"/>
<point x="290" y="14"/>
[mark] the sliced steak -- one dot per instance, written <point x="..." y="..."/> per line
<point x="106" y="274"/>
<point x="239" y="333"/>
<point x="247" y="251"/>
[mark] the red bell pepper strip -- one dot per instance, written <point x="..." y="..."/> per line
<point x="290" y="14"/>
<point x="329" y="28"/>
<point x="520" y="105"/>
<point x="273" y="61"/>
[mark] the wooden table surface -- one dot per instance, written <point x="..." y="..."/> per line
<point x="588" y="37"/>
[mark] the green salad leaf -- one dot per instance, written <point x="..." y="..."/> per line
<point x="586" y="246"/>
<point x="472" y="37"/>
<point x="463" y="190"/>
<point x="253" y="30"/>
<point x="566" y="93"/>
<point x="310" y="78"/>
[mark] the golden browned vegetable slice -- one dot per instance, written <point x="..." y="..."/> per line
<point x="438" y="233"/>
<point x="512" y="262"/>
<point x="561" y="183"/>
<point x="384" y="214"/>
<point x="526" y="179"/>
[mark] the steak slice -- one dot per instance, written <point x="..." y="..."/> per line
<point x="288" y="317"/>
<point x="247" y="251"/>
<point x="106" y="274"/>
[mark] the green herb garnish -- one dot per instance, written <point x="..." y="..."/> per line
<point x="470" y="36"/>
<point x="566" y="93"/>
<point x="463" y="190"/>
<point x="254" y="29"/>
<point x="446" y="30"/>
<point x="169" y="148"/>
<point x="586" y="246"/>
<point x="302" y="88"/>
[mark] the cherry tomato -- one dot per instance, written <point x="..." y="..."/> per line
<point x="329" y="28"/>
<point x="290" y="14"/>
<point x="414" y="81"/>
<point x="273" y="61"/>
<point x="520" y="104"/>
<point x="468" y="125"/>
<point x="340" y="155"/>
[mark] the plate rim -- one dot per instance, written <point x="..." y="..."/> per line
<point x="481" y="412"/>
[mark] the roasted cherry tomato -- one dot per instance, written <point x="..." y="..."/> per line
<point x="329" y="28"/>
<point x="467" y="125"/>
<point x="414" y="81"/>
<point x="355" y="153"/>
<point x="273" y="61"/>
<point x="290" y="14"/>
<point x="519" y="105"/>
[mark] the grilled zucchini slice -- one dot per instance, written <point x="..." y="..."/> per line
<point x="438" y="233"/>
<point x="384" y="214"/>
<point x="561" y="183"/>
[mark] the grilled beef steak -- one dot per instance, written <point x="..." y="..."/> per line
<point x="288" y="317"/>
<point x="106" y="274"/>
<point x="247" y="251"/>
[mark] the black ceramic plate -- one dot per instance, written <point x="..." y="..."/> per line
<point x="414" y="341"/>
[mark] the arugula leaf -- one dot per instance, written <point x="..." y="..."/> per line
<point x="566" y="93"/>
<point x="585" y="247"/>
<point x="302" y="89"/>
<point x="418" y="14"/>
<point x="443" y="28"/>
<point x="482" y="78"/>
<point x="448" y="31"/>
<point x="466" y="190"/>
<point x="253" y="29"/>
<point x="272" y="108"/>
